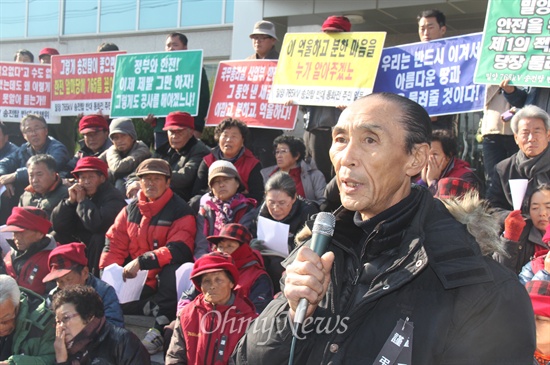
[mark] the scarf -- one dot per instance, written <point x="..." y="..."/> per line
<point x="225" y="212"/>
<point x="77" y="349"/>
<point x="541" y="359"/>
<point x="531" y="167"/>
<point x="218" y="154"/>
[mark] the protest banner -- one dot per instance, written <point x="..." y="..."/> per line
<point x="157" y="83"/>
<point x="25" y="88"/>
<point x="327" y="69"/>
<point x="516" y="43"/>
<point x="437" y="75"/>
<point x="82" y="83"/>
<point x="241" y="90"/>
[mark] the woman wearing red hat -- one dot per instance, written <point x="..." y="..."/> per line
<point x="208" y="329"/>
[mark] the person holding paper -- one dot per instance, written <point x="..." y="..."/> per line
<point x="84" y="336"/>
<point x="531" y="127"/>
<point x="89" y="210"/>
<point x="69" y="266"/>
<point x="523" y="238"/>
<point x="282" y="204"/>
<point x="209" y="328"/>
<point x="27" y="261"/>
<point x="155" y="232"/>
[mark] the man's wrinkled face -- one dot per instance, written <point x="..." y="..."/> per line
<point x="178" y="138"/>
<point x="373" y="169"/>
<point x="94" y="140"/>
<point x="8" y="315"/>
<point x="23" y="240"/>
<point x="35" y="132"/>
<point x="122" y="142"/>
<point x="532" y="136"/>
<point x="90" y="181"/>
<point x="154" y="185"/>
<point x="429" y="29"/>
<point x="41" y="178"/>
<point x="262" y="44"/>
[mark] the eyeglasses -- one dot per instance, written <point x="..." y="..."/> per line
<point x="32" y="131"/>
<point x="176" y="132"/>
<point x="282" y="151"/>
<point x="260" y="37"/>
<point x="65" y="319"/>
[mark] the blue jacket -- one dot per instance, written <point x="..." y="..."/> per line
<point x="17" y="161"/>
<point x="113" y="311"/>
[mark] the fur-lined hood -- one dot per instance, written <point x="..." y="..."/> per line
<point x="469" y="210"/>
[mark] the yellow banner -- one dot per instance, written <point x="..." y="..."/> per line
<point x="329" y="69"/>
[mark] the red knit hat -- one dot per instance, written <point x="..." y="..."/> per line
<point x="233" y="231"/>
<point x="179" y="120"/>
<point x="539" y="292"/>
<point x="214" y="261"/>
<point x="92" y="123"/>
<point x="336" y="23"/>
<point x="63" y="259"/>
<point x="27" y="218"/>
<point x="48" y="51"/>
<point x="91" y="163"/>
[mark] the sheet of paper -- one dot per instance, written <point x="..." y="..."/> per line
<point x="4" y="245"/>
<point x="518" y="187"/>
<point x="274" y="234"/>
<point x="127" y="291"/>
<point x="183" y="283"/>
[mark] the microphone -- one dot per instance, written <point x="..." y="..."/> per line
<point x="323" y="229"/>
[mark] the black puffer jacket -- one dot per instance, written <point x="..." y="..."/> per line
<point x="421" y="264"/>
<point x="115" y="346"/>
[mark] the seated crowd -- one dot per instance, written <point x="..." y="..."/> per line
<point x="189" y="204"/>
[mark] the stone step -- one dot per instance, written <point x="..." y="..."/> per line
<point x="140" y="325"/>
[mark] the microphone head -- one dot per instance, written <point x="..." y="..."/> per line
<point x="324" y="223"/>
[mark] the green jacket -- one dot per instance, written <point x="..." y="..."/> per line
<point x="34" y="332"/>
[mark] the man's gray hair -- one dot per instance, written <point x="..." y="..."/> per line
<point x="530" y="111"/>
<point x="9" y="290"/>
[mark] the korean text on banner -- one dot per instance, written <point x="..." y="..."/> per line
<point x="516" y="43"/>
<point x="25" y="88"/>
<point x="437" y="75"/>
<point x="241" y="91"/>
<point x="328" y="69"/>
<point x="82" y="83"/>
<point x="157" y="83"/>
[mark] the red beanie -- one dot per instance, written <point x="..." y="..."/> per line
<point x="336" y="23"/>
<point x="27" y="218"/>
<point x="539" y="292"/>
<point x="179" y="120"/>
<point x="92" y="123"/>
<point x="214" y="261"/>
<point x="91" y="163"/>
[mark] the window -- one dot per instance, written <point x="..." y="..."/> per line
<point x="80" y="16"/>
<point x="12" y="18"/>
<point x="201" y="12"/>
<point x="155" y="14"/>
<point x="117" y="15"/>
<point x="229" y="10"/>
<point x="43" y="18"/>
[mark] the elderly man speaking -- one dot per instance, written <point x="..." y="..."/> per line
<point x="404" y="282"/>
